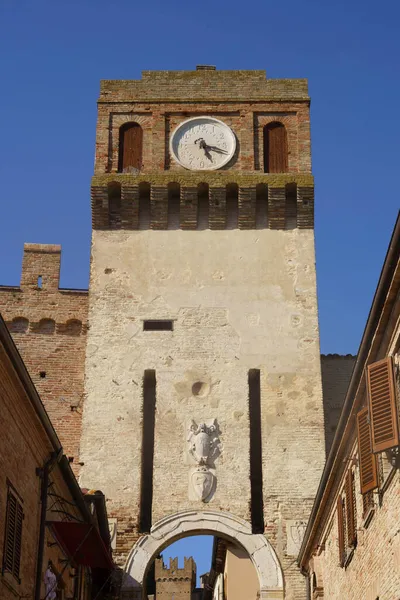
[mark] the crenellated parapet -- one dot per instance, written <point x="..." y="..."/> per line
<point x="224" y="202"/>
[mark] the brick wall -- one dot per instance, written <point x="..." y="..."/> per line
<point x="25" y="447"/>
<point x="175" y="582"/>
<point x="373" y="571"/>
<point x="49" y="325"/>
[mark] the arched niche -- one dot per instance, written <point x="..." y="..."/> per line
<point x="187" y="523"/>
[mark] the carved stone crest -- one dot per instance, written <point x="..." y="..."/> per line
<point x="204" y="447"/>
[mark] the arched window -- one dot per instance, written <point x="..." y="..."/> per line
<point x="73" y="327"/>
<point x="46" y="326"/>
<point x="275" y="148"/>
<point x="18" y="325"/>
<point x="130" y="148"/>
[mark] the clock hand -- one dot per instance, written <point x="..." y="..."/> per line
<point x="216" y="149"/>
<point x="204" y="146"/>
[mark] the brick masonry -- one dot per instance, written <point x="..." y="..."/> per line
<point x="25" y="447"/>
<point x="49" y="327"/>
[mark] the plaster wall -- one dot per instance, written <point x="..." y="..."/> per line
<point x="239" y="300"/>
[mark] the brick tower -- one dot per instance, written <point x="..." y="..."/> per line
<point x="203" y="409"/>
<point x="173" y="583"/>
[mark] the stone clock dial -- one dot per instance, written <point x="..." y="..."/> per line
<point x="203" y="144"/>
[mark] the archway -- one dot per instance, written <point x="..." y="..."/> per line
<point x="186" y="523"/>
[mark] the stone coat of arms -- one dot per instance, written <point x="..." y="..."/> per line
<point x="204" y="447"/>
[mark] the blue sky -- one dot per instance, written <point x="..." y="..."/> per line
<point x="53" y="54"/>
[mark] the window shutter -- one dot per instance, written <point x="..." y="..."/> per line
<point x="382" y="405"/>
<point x="367" y="460"/>
<point x="351" y="525"/>
<point x="13" y="536"/>
<point x="130" y="150"/>
<point x="275" y="148"/>
<point x="18" y="541"/>
<point x="340" y="530"/>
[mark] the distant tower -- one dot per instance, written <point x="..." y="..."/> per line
<point x="173" y="582"/>
<point x="203" y="410"/>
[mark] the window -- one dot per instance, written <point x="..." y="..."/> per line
<point x="367" y="460"/>
<point x="157" y="325"/>
<point x="347" y="520"/>
<point x="275" y="148"/>
<point x="382" y="405"/>
<point x="130" y="148"/>
<point x="18" y="325"/>
<point x="13" y="534"/>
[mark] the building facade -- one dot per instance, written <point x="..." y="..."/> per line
<point x="351" y="548"/>
<point x="44" y="516"/>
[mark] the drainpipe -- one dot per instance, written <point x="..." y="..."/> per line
<point x="43" y="473"/>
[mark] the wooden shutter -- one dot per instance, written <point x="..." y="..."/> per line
<point x="340" y="530"/>
<point x="382" y="405"/>
<point x="351" y="524"/>
<point x="367" y="460"/>
<point x="275" y="148"/>
<point x="130" y="147"/>
<point x="13" y="536"/>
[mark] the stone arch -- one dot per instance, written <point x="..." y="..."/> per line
<point x="207" y="522"/>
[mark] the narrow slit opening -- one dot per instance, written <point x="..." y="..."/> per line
<point x="158" y="325"/>
<point x="148" y="424"/>
<point x="256" y="482"/>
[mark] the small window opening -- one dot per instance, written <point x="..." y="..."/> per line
<point x="39" y="282"/>
<point x="158" y="325"/>
<point x="42" y="374"/>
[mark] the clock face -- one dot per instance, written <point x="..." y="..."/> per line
<point x="203" y="144"/>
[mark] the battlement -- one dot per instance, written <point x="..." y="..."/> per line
<point x="173" y="572"/>
<point x="204" y="83"/>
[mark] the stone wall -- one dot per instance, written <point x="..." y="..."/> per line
<point x="48" y="325"/>
<point x="238" y="300"/>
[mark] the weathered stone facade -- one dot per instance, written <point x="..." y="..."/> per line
<point x="239" y="299"/>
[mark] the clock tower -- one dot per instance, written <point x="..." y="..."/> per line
<point x="203" y="410"/>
